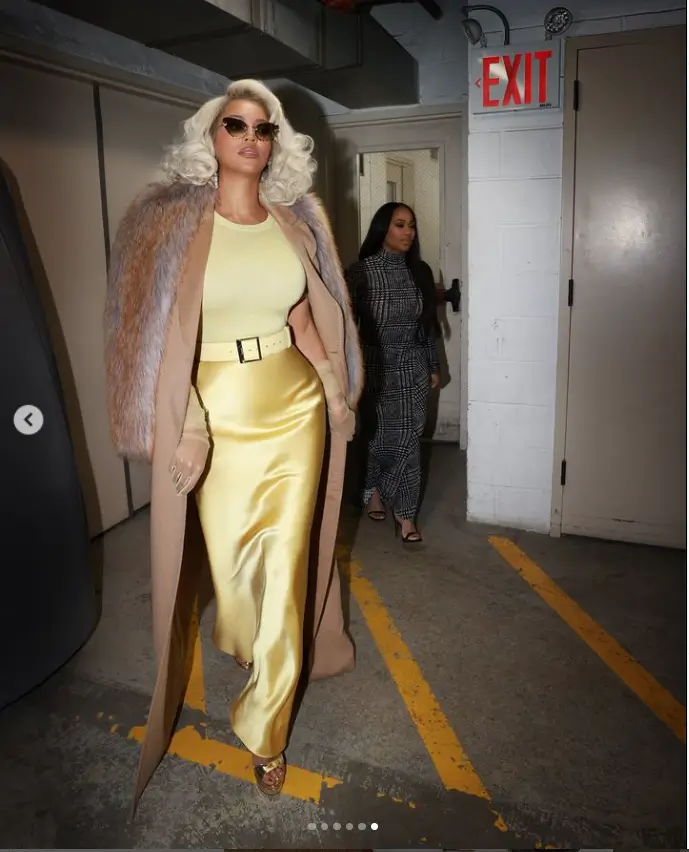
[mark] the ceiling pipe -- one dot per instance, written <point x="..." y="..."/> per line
<point x="432" y="8"/>
<point x="353" y="6"/>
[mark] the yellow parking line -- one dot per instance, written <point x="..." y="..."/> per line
<point x="632" y="673"/>
<point x="446" y="752"/>
<point x="189" y="745"/>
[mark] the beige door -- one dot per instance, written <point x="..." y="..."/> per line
<point x="135" y="131"/>
<point x="625" y="446"/>
<point x="49" y="145"/>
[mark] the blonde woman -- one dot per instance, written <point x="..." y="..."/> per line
<point x="234" y="366"/>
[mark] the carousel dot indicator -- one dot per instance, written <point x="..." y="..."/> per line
<point x="312" y="826"/>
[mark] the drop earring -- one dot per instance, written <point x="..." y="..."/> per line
<point x="214" y="181"/>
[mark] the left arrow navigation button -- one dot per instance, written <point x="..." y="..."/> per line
<point x="28" y="420"/>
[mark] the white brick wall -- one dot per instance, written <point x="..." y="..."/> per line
<point x="515" y="169"/>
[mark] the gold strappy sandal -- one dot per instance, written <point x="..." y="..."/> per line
<point x="263" y="769"/>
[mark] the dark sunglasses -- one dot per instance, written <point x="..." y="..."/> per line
<point x="265" y="131"/>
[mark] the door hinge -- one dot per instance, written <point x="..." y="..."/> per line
<point x="570" y="293"/>
<point x="563" y="472"/>
<point x="575" y="99"/>
<point x="361" y="165"/>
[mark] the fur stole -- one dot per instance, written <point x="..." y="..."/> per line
<point x="147" y="263"/>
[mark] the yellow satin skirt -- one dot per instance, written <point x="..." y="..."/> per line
<point x="267" y="421"/>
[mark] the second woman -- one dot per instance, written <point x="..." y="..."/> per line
<point x="393" y="296"/>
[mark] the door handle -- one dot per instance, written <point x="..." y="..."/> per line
<point x="451" y="296"/>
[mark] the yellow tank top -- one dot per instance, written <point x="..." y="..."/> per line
<point x="253" y="279"/>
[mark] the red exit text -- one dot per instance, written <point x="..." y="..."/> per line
<point x="524" y="77"/>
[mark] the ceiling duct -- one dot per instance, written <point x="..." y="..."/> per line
<point x="356" y="6"/>
<point x="350" y="59"/>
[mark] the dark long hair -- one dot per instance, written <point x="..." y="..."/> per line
<point x="420" y="271"/>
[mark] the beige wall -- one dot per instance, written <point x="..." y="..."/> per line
<point x="424" y="197"/>
<point x="51" y="149"/>
<point x="48" y="144"/>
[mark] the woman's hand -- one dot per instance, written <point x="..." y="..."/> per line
<point x="340" y="416"/>
<point x="435" y="380"/>
<point x="188" y="463"/>
<point x="342" y="420"/>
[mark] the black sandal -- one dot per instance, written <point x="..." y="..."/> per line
<point x="378" y="515"/>
<point x="413" y="537"/>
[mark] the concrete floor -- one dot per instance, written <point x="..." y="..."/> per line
<point x="568" y="754"/>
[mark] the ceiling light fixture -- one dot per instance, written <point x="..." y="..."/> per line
<point x="474" y="31"/>
<point x="557" y="21"/>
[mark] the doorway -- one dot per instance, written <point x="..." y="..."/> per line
<point x="384" y="157"/>
<point x="406" y="177"/>
<point x="622" y="403"/>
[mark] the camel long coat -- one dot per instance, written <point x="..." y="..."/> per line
<point x="152" y="321"/>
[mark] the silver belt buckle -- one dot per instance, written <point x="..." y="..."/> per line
<point x="247" y="348"/>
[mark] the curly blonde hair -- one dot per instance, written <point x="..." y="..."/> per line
<point x="290" y="172"/>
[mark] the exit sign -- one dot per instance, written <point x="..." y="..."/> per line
<point x="503" y="79"/>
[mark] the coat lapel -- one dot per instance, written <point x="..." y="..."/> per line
<point x="191" y="287"/>
<point x="298" y="236"/>
<point x="329" y="649"/>
<point x="326" y="311"/>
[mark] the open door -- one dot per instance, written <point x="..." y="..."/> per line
<point x="421" y="163"/>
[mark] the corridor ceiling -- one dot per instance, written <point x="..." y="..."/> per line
<point x="430" y="6"/>
<point x="348" y="58"/>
